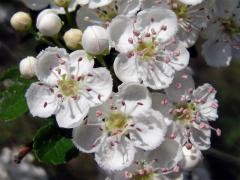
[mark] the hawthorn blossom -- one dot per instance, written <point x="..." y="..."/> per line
<point x="223" y="34"/>
<point x="116" y="129"/>
<point x="149" y="53"/>
<point x="159" y="164"/>
<point x="93" y="4"/>
<point x="193" y="17"/>
<point x="188" y="111"/>
<point x="102" y="16"/>
<point x="41" y="4"/>
<point x="68" y="86"/>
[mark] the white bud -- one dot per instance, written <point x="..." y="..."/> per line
<point x="95" y="40"/>
<point x="72" y="38"/>
<point x="26" y="67"/>
<point x="21" y="21"/>
<point x="49" y="23"/>
<point x="191" y="158"/>
<point x="62" y="3"/>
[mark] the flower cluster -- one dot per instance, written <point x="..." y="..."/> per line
<point x="157" y="118"/>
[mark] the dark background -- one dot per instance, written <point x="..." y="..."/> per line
<point x="222" y="161"/>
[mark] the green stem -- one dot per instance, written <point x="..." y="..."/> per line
<point x="57" y="42"/>
<point x="69" y="19"/>
<point x="101" y="60"/>
<point x="40" y="37"/>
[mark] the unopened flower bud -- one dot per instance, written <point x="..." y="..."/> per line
<point x="73" y="38"/>
<point x="21" y="21"/>
<point x="62" y="3"/>
<point x="191" y="158"/>
<point x="49" y="23"/>
<point x="26" y="67"/>
<point x="95" y="40"/>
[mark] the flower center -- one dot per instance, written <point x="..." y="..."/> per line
<point x="145" y="176"/>
<point x="69" y="87"/>
<point x="116" y="122"/>
<point x="181" y="10"/>
<point x="146" y="49"/>
<point x="184" y="113"/>
<point x="230" y="27"/>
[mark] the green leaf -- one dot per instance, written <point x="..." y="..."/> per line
<point x="52" y="146"/>
<point x="12" y="95"/>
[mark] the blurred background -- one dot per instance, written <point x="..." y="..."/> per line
<point x="221" y="162"/>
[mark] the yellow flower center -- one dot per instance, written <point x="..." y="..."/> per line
<point x="185" y="112"/>
<point x="180" y="9"/>
<point x="146" y="49"/>
<point x="69" y="87"/>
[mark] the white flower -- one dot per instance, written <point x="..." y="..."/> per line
<point x="41" y="4"/>
<point x="68" y="87"/>
<point x="191" y="158"/>
<point x="95" y="40"/>
<point x="26" y="67"/>
<point x="103" y="16"/>
<point x="192" y="17"/>
<point x="93" y="4"/>
<point x="159" y="164"/>
<point x="188" y="111"/>
<point x="223" y="34"/>
<point x="149" y="53"/>
<point x="21" y="21"/>
<point x="73" y="38"/>
<point x="115" y="129"/>
<point x="49" y="23"/>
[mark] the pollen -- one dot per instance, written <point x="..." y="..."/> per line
<point x="69" y="87"/>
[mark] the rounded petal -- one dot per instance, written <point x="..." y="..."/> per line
<point x="188" y="39"/>
<point x="41" y="101"/>
<point x="97" y="87"/>
<point x="120" y="30"/>
<point x="36" y="4"/>
<point x="117" y="157"/>
<point x="167" y="155"/>
<point x="129" y="8"/>
<point x="161" y="102"/>
<point x="191" y="2"/>
<point x="156" y="75"/>
<point x="47" y="65"/>
<point x="72" y="112"/>
<point x="87" y="17"/>
<point x="125" y="68"/>
<point x="93" y="4"/>
<point x="156" y="18"/>
<point x="217" y="54"/>
<point x="87" y="138"/>
<point x="80" y="64"/>
<point x="183" y="84"/>
<point x="224" y="9"/>
<point x="136" y="98"/>
<point x="149" y="130"/>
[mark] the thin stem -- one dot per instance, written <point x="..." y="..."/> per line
<point x="69" y="19"/>
<point x="101" y="60"/>
<point x="40" y="37"/>
<point x="57" y="42"/>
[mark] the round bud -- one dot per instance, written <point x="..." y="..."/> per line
<point x="62" y="3"/>
<point x="95" y="40"/>
<point x="21" y="21"/>
<point x="49" y="23"/>
<point x="191" y="158"/>
<point x="26" y="67"/>
<point x="72" y="38"/>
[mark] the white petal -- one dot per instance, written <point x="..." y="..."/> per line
<point x="217" y="54"/>
<point x="161" y="102"/>
<point x="162" y="17"/>
<point x="48" y="63"/>
<point x="93" y="4"/>
<point x="149" y="130"/>
<point x="98" y="87"/>
<point x="188" y="39"/>
<point x="129" y="8"/>
<point x="156" y="74"/>
<point x="183" y="84"/>
<point x="117" y="157"/>
<point x="41" y="101"/>
<point x="168" y="154"/>
<point x="200" y="137"/>
<point x="208" y="109"/>
<point x="126" y="68"/>
<point x="224" y="9"/>
<point x="191" y="2"/>
<point x="87" y="137"/>
<point x="36" y="4"/>
<point x="136" y="98"/>
<point x="120" y="30"/>
<point x="72" y="112"/>
<point x="83" y="2"/>
<point x="87" y="17"/>
<point x="60" y="10"/>
<point x="80" y="64"/>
